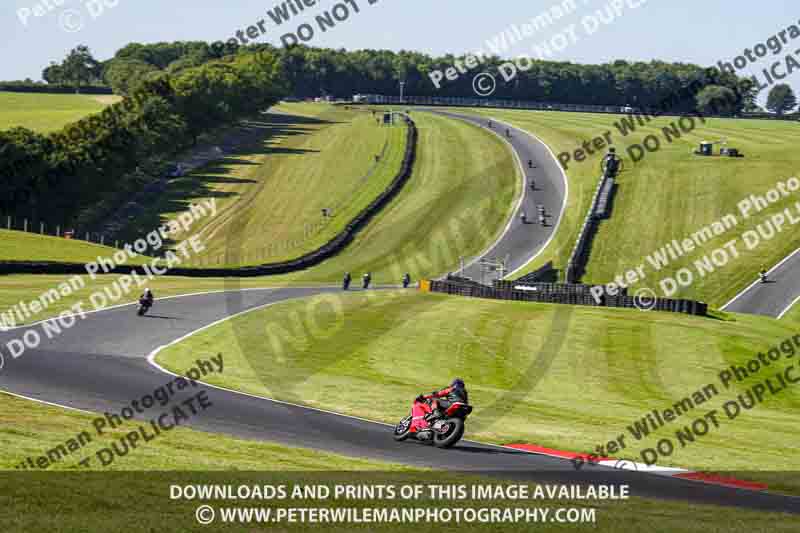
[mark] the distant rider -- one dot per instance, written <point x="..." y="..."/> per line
<point x="346" y="281"/>
<point x="367" y="279"/>
<point x="406" y="280"/>
<point x="442" y="399"/>
<point x="147" y="298"/>
<point x="763" y="275"/>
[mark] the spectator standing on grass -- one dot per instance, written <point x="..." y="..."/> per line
<point x="346" y="281"/>
<point x="367" y="280"/>
<point x="406" y="280"/>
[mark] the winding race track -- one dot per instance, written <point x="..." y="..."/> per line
<point x="522" y="241"/>
<point x="101" y="364"/>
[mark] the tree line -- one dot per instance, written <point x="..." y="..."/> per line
<point x="50" y="177"/>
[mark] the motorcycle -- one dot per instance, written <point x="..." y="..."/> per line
<point x="144" y="306"/>
<point x="442" y="432"/>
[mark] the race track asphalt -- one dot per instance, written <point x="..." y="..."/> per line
<point x="521" y="241"/>
<point x="100" y="365"/>
<point x="774" y="297"/>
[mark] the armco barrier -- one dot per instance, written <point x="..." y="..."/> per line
<point x="580" y="253"/>
<point x="565" y="294"/>
<point x="331" y="248"/>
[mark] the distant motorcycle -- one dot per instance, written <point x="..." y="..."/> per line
<point x="442" y="432"/>
<point x="144" y="306"/>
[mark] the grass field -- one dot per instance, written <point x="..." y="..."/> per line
<point x="20" y="246"/>
<point x="569" y="378"/>
<point x="48" y="112"/>
<point x="671" y="194"/>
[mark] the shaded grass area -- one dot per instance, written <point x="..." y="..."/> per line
<point x="45" y="113"/>
<point x="671" y="194"/>
<point x="558" y="376"/>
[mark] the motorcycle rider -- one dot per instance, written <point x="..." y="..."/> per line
<point x="406" y="280"/>
<point x="763" y="275"/>
<point x="346" y="281"/>
<point x="441" y="400"/>
<point x="367" y="280"/>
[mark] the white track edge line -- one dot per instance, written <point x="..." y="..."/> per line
<point x="781" y="262"/>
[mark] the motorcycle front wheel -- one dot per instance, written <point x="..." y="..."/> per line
<point x="403" y="429"/>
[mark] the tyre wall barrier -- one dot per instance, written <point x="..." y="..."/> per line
<point x="571" y="294"/>
<point x="330" y="249"/>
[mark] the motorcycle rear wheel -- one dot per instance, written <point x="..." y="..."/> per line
<point x="453" y="435"/>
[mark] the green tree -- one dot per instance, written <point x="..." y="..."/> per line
<point x="781" y="99"/>
<point x="125" y="75"/>
<point x="81" y="68"/>
<point x="715" y="99"/>
<point x="53" y="74"/>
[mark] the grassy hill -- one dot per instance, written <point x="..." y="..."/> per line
<point x="48" y="112"/>
<point x="458" y="200"/>
<point x="566" y="377"/>
<point x="270" y="195"/>
<point x="270" y="199"/>
<point x="671" y="194"/>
